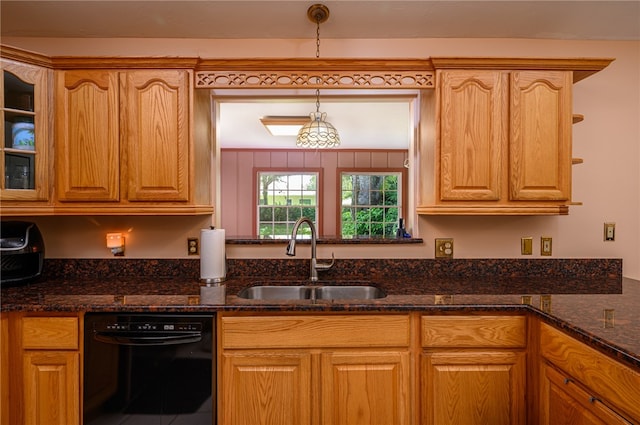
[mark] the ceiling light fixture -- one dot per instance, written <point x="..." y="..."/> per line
<point x="283" y="125"/>
<point x="318" y="133"/>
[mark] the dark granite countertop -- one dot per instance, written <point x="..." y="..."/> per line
<point x="576" y="305"/>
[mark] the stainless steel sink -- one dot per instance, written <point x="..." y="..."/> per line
<point x="319" y="292"/>
<point x="350" y="292"/>
<point x="275" y="292"/>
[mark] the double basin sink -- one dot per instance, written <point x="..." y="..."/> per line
<point x="311" y="292"/>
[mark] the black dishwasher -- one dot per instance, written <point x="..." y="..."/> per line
<point x="151" y="369"/>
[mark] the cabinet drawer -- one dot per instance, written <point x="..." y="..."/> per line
<point x="50" y="333"/>
<point x="604" y="377"/>
<point x="315" y="331"/>
<point x="473" y="331"/>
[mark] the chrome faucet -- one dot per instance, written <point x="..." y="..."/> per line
<point x="291" y="248"/>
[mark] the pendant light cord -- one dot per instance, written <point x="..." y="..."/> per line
<point x="318" y="57"/>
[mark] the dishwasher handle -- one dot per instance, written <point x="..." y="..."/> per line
<point x="129" y="338"/>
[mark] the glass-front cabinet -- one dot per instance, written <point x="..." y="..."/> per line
<point x="25" y="120"/>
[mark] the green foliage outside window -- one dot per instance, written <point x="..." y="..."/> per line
<point x="370" y="205"/>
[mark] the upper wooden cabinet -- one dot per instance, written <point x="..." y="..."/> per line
<point x="25" y="182"/>
<point x="503" y="142"/>
<point x="502" y="137"/>
<point x="124" y="143"/>
<point x="87" y="145"/>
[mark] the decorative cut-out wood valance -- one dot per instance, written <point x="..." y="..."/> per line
<point x="314" y="73"/>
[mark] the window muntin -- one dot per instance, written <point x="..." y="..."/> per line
<point x="284" y="197"/>
<point x="371" y="203"/>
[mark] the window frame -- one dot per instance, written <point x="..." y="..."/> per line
<point x="289" y="171"/>
<point x="370" y="171"/>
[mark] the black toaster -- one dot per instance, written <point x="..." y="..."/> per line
<point x="21" y="251"/>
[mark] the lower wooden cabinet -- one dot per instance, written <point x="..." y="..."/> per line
<point x="5" y="405"/>
<point x="568" y="403"/>
<point x="315" y="369"/>
<point x="43" y="363"/>
<point x="365" y="387"/>
<point x="266" y="387"/>
<point x="581" y="386"/>
<point x="51" y="387"/>
<point x="473" y="370"/>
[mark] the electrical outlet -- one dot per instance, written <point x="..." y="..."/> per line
<point x="193" y="246"/>
<point x="545" y="303"/>
<point x="609" y="232"/>
<point x="526" y="246"/>
<point x="444" y="248"/>
<point x="609" y="318"/>
<point x="545" y="246"/>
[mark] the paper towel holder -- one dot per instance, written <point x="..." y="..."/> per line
<point x="214" y="280"/>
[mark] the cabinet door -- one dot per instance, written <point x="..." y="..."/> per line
<point x="474" y="388"/>
<point x="5" y="413"/>
<point x="540" y="139"/>
<point x="25" y="131"/>
<point x="266" y="388"/>
<point x="473" y="136"/>
<point x="156" y="119"/>
<point x="365" y="388"/>
<point x="87" y="136"/>
<point x="566" y="403"/>
<point x="51" y="388"/>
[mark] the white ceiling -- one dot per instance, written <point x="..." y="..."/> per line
<point x="365" y="122"/>
<point x="370" y="122"/>
<point x="595" y="20"/>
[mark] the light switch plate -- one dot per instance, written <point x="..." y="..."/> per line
<point x="545" y="246"/>
<point x="609" y="232"/>
<point x="526" y="246"/>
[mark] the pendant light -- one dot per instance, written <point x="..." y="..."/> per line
<point x="318" y="133"/>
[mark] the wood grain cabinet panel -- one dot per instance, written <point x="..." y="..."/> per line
<point x="365" y="388"/>
<point x="87" y="146"/>
<point x="567" y="403"/>
<point x="608" y="386"/>
<point x="473" y="134"/>
<point x="5" y="403"/>
<point x="50" y="333"/>
<point x="316" y="369"/>
<point x="503" y="142"/>
<point x="156" y="114"/>
<point x="473" y="370"/>
<point x="51" y="388"/>
<point x="474" y="388"/>
<point x="128" y="143"/>
<point x="264" y="387"/>
<point x="540" y="141"/>
<point x="44" y="363"/>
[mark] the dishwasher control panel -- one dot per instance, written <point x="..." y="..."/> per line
<point x="147" y="327"/>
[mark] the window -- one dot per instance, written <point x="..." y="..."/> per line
<point x="284" y="197"/>
<point x="371" y="204"/>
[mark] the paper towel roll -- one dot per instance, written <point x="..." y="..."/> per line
<point x="213" y="266"/>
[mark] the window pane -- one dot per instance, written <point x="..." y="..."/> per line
<point x="265" y="230"/>
<point x="391" y="197"/>
<point x="376" y="196"/>
<point x="309" y="213"/>
<point x="282" y="199"/>
<point x="266" y="214"/>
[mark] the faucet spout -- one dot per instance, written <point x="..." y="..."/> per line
<point x="291" y="248"/>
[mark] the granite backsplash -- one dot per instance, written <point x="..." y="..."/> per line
<point x="574" y="275"/>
